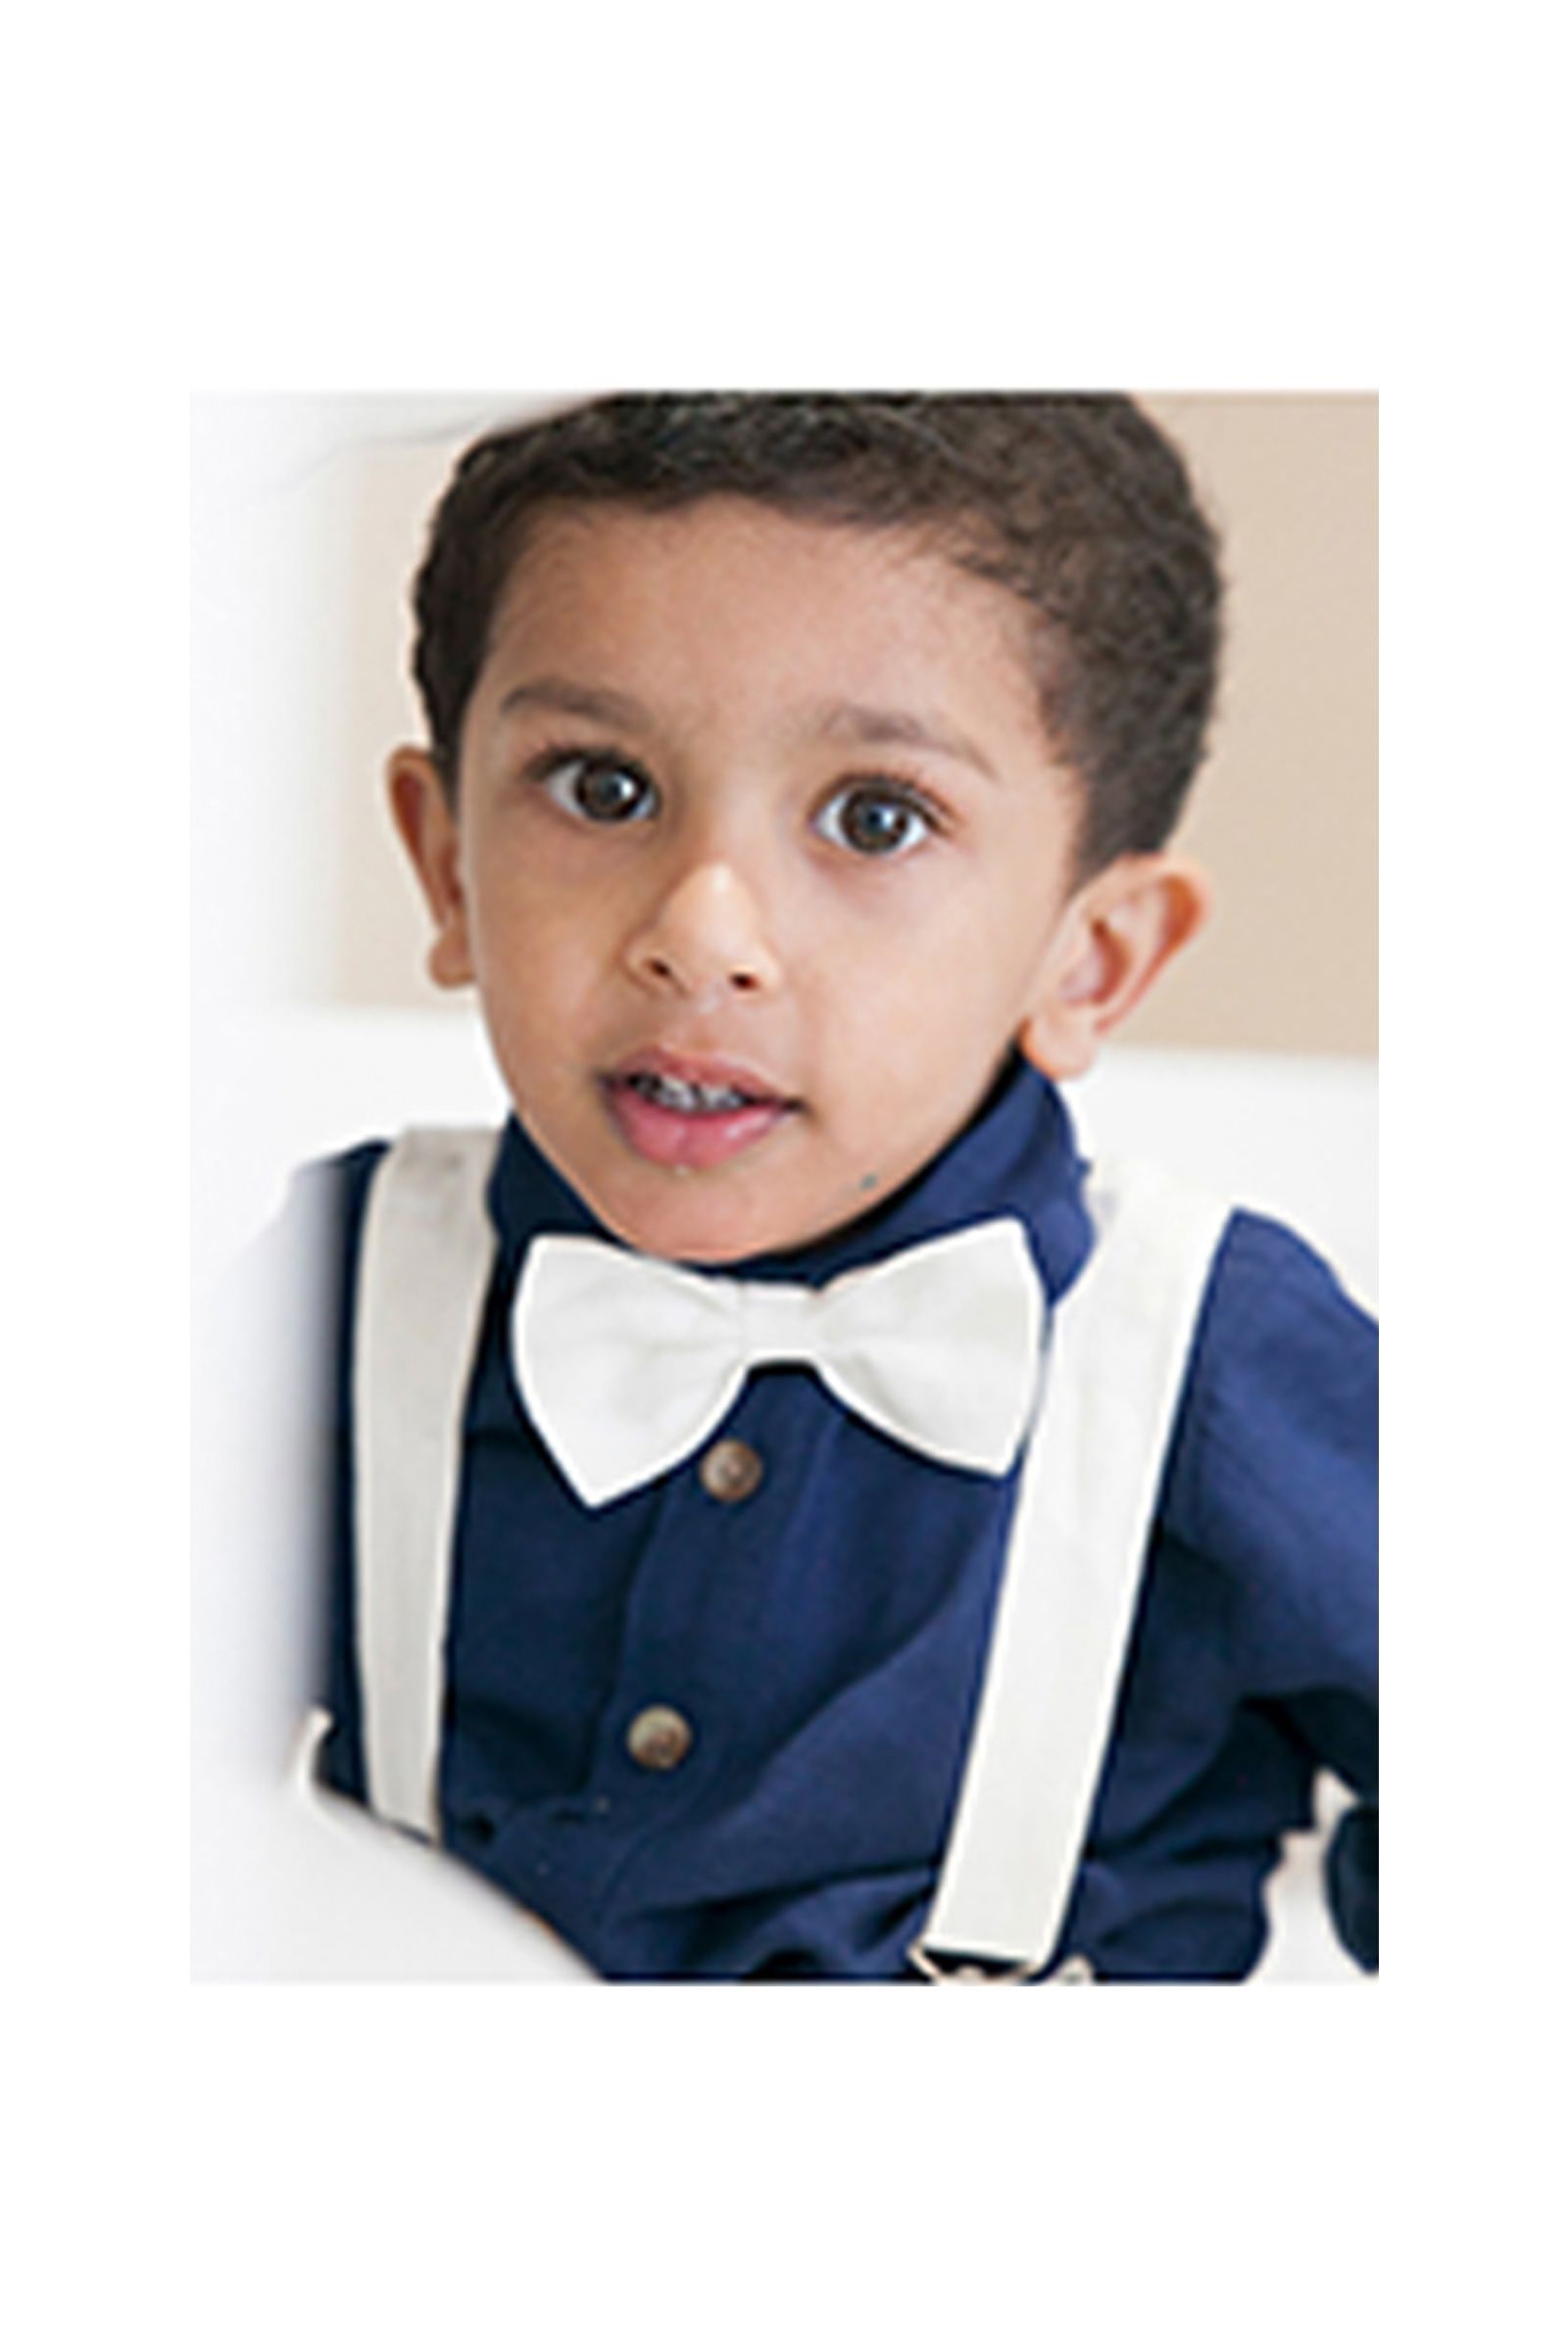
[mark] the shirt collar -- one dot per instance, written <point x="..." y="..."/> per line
<point x="1017" y="1156"/>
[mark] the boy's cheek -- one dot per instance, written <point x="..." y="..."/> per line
<point x="528" y="958"/>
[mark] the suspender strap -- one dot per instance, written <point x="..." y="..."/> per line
<point x="1116" y="1359"/>
<point x="424" y="1268"/>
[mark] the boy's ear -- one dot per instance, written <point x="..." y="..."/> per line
<point x="428" y="831"/>
<point x="1113" y="940"/>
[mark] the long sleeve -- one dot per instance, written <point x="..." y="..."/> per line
<point x="1274" y="1480"/>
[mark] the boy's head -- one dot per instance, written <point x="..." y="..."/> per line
<point x="813" y="751"/>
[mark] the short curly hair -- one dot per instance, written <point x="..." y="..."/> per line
<point x="1074" y="501"/>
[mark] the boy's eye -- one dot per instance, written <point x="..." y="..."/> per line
<point x="606" y="790"/>
<point x="875" y="820"/>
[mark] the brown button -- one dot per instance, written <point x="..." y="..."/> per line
<point x="657" y="1739"/>
<point x="730" y="1471"/>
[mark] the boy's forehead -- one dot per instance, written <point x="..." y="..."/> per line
<point x="729" y="586"/>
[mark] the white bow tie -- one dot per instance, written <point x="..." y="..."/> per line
<point x="626" y="1363"/>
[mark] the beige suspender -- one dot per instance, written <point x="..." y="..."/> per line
<point x="425" y="1255"/>
<point x="1116" y="1354"/>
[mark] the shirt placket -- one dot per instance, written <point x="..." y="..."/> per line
<point x="685" y="1693"/>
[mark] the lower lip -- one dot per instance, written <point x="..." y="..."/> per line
<point x="679" y="1139"/>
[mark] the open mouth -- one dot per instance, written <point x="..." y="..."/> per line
<point x="688" y="1097"/>
<point x="691" y="1116"/>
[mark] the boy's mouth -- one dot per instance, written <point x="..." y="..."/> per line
<point x="684" y="1111"/>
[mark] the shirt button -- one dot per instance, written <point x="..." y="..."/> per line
<point x="730" y="1471"/>
<point x="658" y="1739"/>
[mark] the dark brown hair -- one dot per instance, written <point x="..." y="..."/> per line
<point x="1075" y="502"/>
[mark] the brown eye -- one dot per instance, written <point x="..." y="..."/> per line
<point x="603" y="790"/>
<point x="874" y="822"/>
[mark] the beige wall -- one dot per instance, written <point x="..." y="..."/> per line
<point x="1285" y="814"/>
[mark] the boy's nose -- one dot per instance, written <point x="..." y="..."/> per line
<point x="705" y="937"/>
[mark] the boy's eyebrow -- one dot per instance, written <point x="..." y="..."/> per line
<point x="583" y="702"/>
<point x="868" y="722"/>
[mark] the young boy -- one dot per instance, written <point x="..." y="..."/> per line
<point x="794" y="1520"/>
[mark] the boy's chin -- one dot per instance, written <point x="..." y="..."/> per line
<point x="697" y="1219"/>
<point x="700" y="1236"/>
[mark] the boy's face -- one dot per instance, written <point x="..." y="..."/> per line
<point x="761" y="865"/>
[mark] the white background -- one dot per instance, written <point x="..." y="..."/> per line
<point x="1218" y="195"/>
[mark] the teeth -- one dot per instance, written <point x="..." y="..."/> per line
<point x="676" y="1095"/>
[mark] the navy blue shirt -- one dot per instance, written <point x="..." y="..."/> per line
<point x="824" y="1636"/>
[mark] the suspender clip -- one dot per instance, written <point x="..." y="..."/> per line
<point x="954" y="1969"/>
